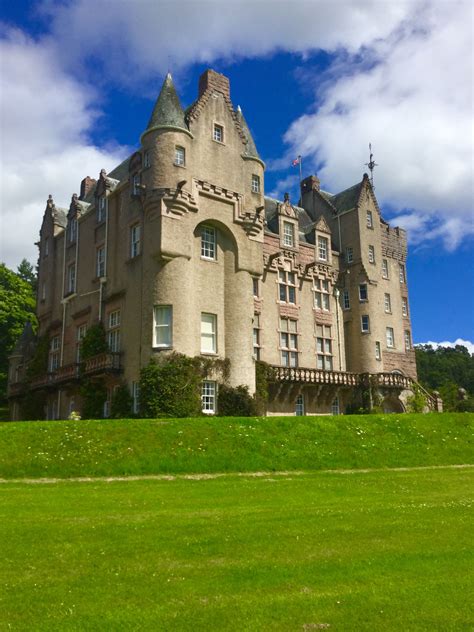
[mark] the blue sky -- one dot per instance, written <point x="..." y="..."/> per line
<point x="321" y="79"/>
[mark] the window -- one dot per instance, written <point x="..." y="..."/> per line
<point x="363" y="293"/>
<point x="256" y="288"/>
<point x="208" y="397"/>
<point x="401" y="272"/>
<point x="321" y="290"/>
<point x="255" y="183"/>
<point x="54" y="353"/>
<point x="136" y="184"/>
<point x="208" y="242"/>
<point x="385" y="268"/>
<point x="179" y="156"/>
<point x="387" y="304"/>
<point x="390" y="337"/>
<point x="378" y="351"/>
<point x="370" y="223"/>
<point x="100" y="262"/>
<point x="71" y="278"/>
<point x="218" y="133"/>
<point x="288" y="342"/>
<point x="322" y="248"/>
<point x="371" y="254"/>
<point x="364" y="324"/>
<point x="146" y="159"/>
<point x="106" y="410"/>
<point x="407" y="340"/>
<point x="113" y="335"/>
<point x="346" y="301"/>
<point x="287" y="286"/>
<point x="72" y="230"/>
<point x="135" y="240"/>
<point x="324" y="359"/>
<point x="288" y="234"/>
<point x="256" y="336"/>
<point x="299" y="407"/>
<point x="102" y="209"/>
<point x="135" y="397"/>
<point x="404" y="307"/>
<point x="162" y="325"/>
<point x="46" y="247"/>
<point x="349" y="254"/>
<point x="43" y="291"/>
<point x="208" y="333"/>
<point x="335" y="407"/>
<point x="80" y="333"/>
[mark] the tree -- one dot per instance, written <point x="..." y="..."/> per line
<point x="27" y="273"/>
<point x="17" y="306"/>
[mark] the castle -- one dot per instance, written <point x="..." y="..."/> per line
<point x="178" y="249"/>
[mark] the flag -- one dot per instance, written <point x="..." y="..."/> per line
<point x="296" y="161"/>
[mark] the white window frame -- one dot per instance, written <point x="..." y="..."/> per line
<point x="322" y="294"/>
<point x="323" y="248"/>
<point x="390" y="337"/>
<point x="208" y="397"/>
<point x="288" y="234"/>
<point x="113" y="334"/>
<point x="370" y="219"/>
<point x="179" y="156"/>
<point x="349" y="254"/>
<point x="72" y="230"/>
<point x="404" y="306"/>
<point x="208" y="333"/>
<point x="256" y="336"/>
<point x="289" y="342"/>
<point x="163" y="327"/>
<point x="385" y="268"/>
<point x="287" y="286"/>
<point x="324" y="348"/>
<point x="365" y="330"/>
<point x="299" y="406"/>
<point x="100" y="262"/>
<point x="346" y="299"/>
<point x="54" y="353"/>
<point x="366" y="291"/>
<point x="255" y="183"/>
<point x="81" y="331"/>
<point x="135" y="240"/>
<point x="371" y="254"/>
<point x="218" y="133"/>
<point x="208" y="242"/>
<point x="387" y="301"/>
<point x="401" y="273"/>
<point x="407" y="338"/>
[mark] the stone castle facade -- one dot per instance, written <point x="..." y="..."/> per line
<point x="178" y="249"/>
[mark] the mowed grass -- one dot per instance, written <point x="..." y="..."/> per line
<point x="124" y="447"/>
<point x="385" y="550"/>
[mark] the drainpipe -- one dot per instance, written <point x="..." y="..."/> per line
<point x="337" y="294"/>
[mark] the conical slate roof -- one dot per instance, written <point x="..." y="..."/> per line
<point x="167" y="111"/>
<point x="25" y="341"/>
<point x="250" y="148"/>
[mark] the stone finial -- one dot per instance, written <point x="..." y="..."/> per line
<point x="50" y="202"/>
<point x="212" y="80"/>
<point x="286" y="197"/>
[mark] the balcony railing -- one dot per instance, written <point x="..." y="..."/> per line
<point x="314" y="376"/>
<point x="102" y="362"/>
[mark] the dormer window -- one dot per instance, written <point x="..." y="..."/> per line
<point x="288" y="234"/>
<point x="255" y="184"/>
<point x="101" y="210"/>
<point x="322" y="248"/>
<point x="179" y="156"/>
<point x="218" y="133"/>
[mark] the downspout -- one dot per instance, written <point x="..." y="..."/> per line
<point x="103" y="279"/>
<point x="339" y="350"/>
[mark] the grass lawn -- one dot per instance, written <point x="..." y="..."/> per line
<point x="355" y="551"/>
<point x="122" y="447"/>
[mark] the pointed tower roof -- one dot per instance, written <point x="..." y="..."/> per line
<point x="250" y="148"/>
<point x="167" y="111"/>
<point x="24" y="342"/>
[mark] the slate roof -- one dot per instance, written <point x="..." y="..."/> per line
<point x="25" y="342"/>
<point x="120" y="172"/>
<point x="167" y="111"/>
<point x="345" y="200"/>
<point x="305" y="223"/>
<point x="250" y="148"/>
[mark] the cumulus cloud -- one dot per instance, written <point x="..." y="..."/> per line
<point x="45" y="118"/>
<point x="459" y="341"/>
<point x="411" y="95"/>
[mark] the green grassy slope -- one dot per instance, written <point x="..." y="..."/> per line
<point x="121" y="447"/>
<point x="358" y="552"/>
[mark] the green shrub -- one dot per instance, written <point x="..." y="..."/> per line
<point x="171" y="387"/>
<point x="235" y="402"/>
<point x="416" y="403"/>
<point x="94" y="394"/>
<point x="94" y="342"/>
<point x="121" y="405"/>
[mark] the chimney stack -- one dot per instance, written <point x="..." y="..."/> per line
<point x="86" y="186"/>
<point x="212" y="80"/>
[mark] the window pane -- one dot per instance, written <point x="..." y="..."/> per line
<point x="291" y="294"/>
<point x="208" y="333"/>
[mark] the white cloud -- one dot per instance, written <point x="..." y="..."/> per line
<point x="413" y="100"/>
<point x="45" y="118"/>
<point x="459" y="341"/>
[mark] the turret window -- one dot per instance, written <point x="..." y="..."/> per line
<point x="364" y="324"/>
<point x="179" y="156"/>
<point x="255" y="184"/>
<point x="208" y="333"/>
<point x="162" y="325"/>
<point x="208" y="242"/>
<point x="218" y="133"/>
<point x="288" y="234"/>
<point x="363" y="292"/>
<point x="390" y="337"/>
<point x="322" y="248"/>
<point x="146" y="159"/>
<point x="378" y="351"/>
